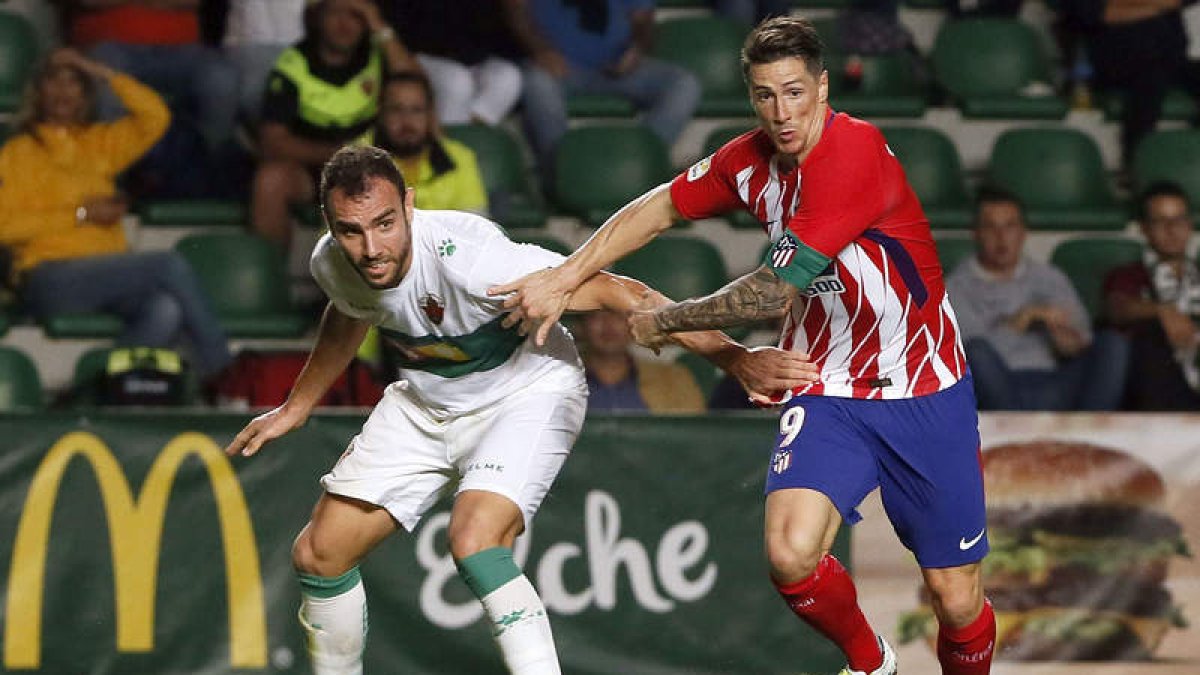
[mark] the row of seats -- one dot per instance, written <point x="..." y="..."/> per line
<point x="1058" y="172"/>
<point x="243" y="275"/>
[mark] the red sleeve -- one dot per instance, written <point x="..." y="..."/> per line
<point x="708" y="187"/>
<point x="843" y="187"/>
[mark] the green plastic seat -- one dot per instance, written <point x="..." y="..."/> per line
<point x="1170" y="155"/>
<point x="194" y="212"/>
<point x="598" y="169"/>
<point x="890" y="87"/>
<point x="1059" y="176"/>
<point x="1087" y="261"/>
<point x="679" y="267"/>
<point x="827" y="29"/>
<point x="952" y="251"/>
<point x="599" y="105"/>
<point x="246" y="282"/>
<point x="1178" y="105"/>
<point x="5" y="130"/>
<point x="18" y="53"/>
<point x="20" y="384"/>
<point x="935" y="172"/>
<point x="81" y="326"/>
<point x="985" y="63"/>
<point x="715" y="64"/>
<point x="514" y="201"/>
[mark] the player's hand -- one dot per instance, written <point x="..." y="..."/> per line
<point x="262" y="429"/>
<point x="629" y="60"/>
<point x="535" y="301"/>
<point x="552" y="61"/>
<point x="1180" y="330"/>
<point x="369" y="13"/>
<point x="645" y="331"/>
<point x="104" y="210"/>
<point x="765" y="372"/>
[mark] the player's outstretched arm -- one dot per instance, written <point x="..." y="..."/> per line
<point x="338" y="339"/>
<point x="539" y="299"/>
<point x="762" y="371"/>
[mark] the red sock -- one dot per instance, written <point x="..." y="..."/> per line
<point x="827" y="601"/>
<point x="968" y="650"/>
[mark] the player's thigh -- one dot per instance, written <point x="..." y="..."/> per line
<point x="931" y="482"/>
<point x="821" y="447"/>
<point x="399" y="461"/>
<point x="517" y="448"/>
<point x="340" y="532"/>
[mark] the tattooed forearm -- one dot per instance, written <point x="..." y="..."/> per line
<point x="757" y="296"/>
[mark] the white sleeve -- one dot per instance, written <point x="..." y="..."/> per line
<point x="503" y="260"/>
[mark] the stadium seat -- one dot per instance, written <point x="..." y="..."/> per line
<point x="20" y="384"/>
<point x="1087" y="261"/>
<point x="739" y="219"/>
<point x="891" y="86"/>
<point x="953" y="250"/>
<point x="1170" y="155"/>
<point x="1060" y="177"/>
<point x="985" y="64"/>
<point x="514" y="201"/>
<point x="246" y="282"/>
<point x="541" y="239"/>
<point x="677" y="266"/>
<point x="599" y="105"/>
<point x="1178" y="105"/>
<point x="18" y="53"/>
<point x="716" y="64"/>
<point x="193" y="212"/>
<point x="5" y="130"/>
<point x="598" y="169"/>
<point x="935" y="172"/>
<point x="82" y="326"/>
<point x="827" y="28"/>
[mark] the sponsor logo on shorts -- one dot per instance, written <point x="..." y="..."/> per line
<point x="484" y="466"/>
<point x="781" y="461"/>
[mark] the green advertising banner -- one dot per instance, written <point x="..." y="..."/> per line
<point x="130" y="545"/>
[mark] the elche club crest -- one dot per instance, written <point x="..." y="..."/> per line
<point x="434" y="308"/>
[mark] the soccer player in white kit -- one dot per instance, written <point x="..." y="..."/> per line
<point x="476" y="402"/>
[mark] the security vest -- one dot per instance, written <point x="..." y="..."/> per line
<point x="323" y="104"/>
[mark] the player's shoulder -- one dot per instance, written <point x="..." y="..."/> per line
<point x="737" y="153"/>
<point x="464" y="225"/>
<point x="851" y="131"/>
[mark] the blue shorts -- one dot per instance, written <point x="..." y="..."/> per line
<point x="922" y="453"/>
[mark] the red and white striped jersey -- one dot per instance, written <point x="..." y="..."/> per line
<point x="877" y="321"/>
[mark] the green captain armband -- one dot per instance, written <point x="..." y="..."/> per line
<point x="794" y="261"/>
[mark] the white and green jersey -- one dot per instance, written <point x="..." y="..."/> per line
<point x="455" y="355"/>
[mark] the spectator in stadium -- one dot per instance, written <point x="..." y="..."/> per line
<point x="751" y="12"/>
<point x="598" y="47"/>
<point x="1157" y="303"/>
<point x="464" y="47"/>
<point x="159" y="43"/>
<point x="1028" y="337"/>
<point x="1138" y="50"/>
<point x="323" y="92"/>
<point x="256" y="33"/>
<point x="60" y="213"/>
<point x="619" y="381"/>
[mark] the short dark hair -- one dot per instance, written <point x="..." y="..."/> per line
<point x="351" y="169"/>
<point x="410" y="77"/>
<point x="1159" y="188"/>
<point x="994" y="194"/>
<point x="782" y="37"/>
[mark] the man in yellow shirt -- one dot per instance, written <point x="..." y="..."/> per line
<point x="60" y="213"/>
<point x="443" y="172"/>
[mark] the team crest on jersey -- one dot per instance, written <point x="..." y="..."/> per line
<point x="699" y="169"/>
<point x="783" y="252"/>
<point x="781" y="461"/>
<point x="433" y="308"/>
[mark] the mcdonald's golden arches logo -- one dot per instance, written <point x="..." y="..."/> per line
<point x="135" y="530"/>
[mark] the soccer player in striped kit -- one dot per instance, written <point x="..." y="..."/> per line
<point x="854" y="274"/>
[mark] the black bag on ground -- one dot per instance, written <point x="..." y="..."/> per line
<point x="143" y="376"/>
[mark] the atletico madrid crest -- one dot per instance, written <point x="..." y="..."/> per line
<point x="783" y="252"/>
<point x="433" y="308"/>
<point x="781" y="461"/>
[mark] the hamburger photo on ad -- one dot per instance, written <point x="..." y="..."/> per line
<point x="1080" y="550"/>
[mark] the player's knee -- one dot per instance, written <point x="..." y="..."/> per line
<point x="466" y="541"/>
<point x="792" y="558"/>
<point x="309" y="557"/>
<point x="275" y="179"/>
<point x="956" y="601"/>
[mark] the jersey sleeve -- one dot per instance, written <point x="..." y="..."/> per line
<point x="843" y="193"/>
<point x="706" y="188"/>
<point x="502" y="260"/>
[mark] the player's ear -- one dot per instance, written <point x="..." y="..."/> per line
<point x="408" y="203"/>
<point x="823" y="87"/>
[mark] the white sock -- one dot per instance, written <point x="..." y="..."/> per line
<point x="521" y="628"/>
<point x="336" y="628"/>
